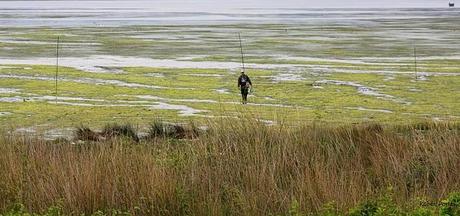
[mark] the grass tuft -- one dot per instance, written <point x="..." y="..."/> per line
<point x="117" y="130"/>
<point x="159" y="129"/>
<point x="86" y="134"/>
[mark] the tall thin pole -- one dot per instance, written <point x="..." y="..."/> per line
<point x="242" y="53"/>
<point x="57" y="69"/>
<point x="415" y="62"/>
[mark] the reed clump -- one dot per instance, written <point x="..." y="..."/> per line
<point x="238" y="168"/>
<point x="160" y="129"/>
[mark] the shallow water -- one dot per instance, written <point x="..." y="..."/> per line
<point x="150" y="97"/>
<point x="73" y="13"/>
<point x="182" y="109"/>
<point x="157" y="75"/>
<point x="287" y="77"/>
<point x="205" y="75"/>
<point x="95" y="63"/>
<point x="223" y="91"/>
<point x="9" y="91"/>
<point x="370" y="110"/>
<point x="12" y="99"/>
<point x="66" y="133"/>
<point x="5" y="113"/>
<point x="365" y="90"/>
<point x="86" y="80"/>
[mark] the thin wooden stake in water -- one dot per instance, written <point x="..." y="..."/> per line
<point x="415" y="63"/>
<point x="242" y="53"/>
<point x="57" y="69"/>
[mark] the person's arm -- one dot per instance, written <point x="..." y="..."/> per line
<point x="239" y="82"/>
<point x="249" y="81"/>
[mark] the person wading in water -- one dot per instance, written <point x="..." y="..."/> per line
<point x="244" y="83"/>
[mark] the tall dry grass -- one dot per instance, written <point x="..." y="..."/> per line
<point x="235" y="168"/>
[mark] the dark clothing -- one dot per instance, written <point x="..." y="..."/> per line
<point x="244" y="94"/>
<point x="243" y="83"/>
<point x="244" y="91"/>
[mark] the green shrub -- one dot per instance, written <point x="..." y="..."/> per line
<point x="422" y="211"/>
<point x="294" y="209"/>
<point x="20" y="210"/>
<point x="383" y="206"/>
<point x="368" y="208"/>
<point x="17" y="210"/>
<point x="451" y="205"/>
<point x="329" y="209"/>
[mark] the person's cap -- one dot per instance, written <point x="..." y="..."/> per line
<point x="242" y="71"/>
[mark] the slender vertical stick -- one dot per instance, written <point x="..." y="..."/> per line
<point x="415" y="62"/>
<point x="242" y="54"/>
<point x="57" y="68"/>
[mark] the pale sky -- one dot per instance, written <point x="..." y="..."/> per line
<point x="217" y="5"/>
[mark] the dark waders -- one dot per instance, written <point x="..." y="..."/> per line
<point x="244" y="94"/>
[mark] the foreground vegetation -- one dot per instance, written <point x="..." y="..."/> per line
<point x="235" y="167"/>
